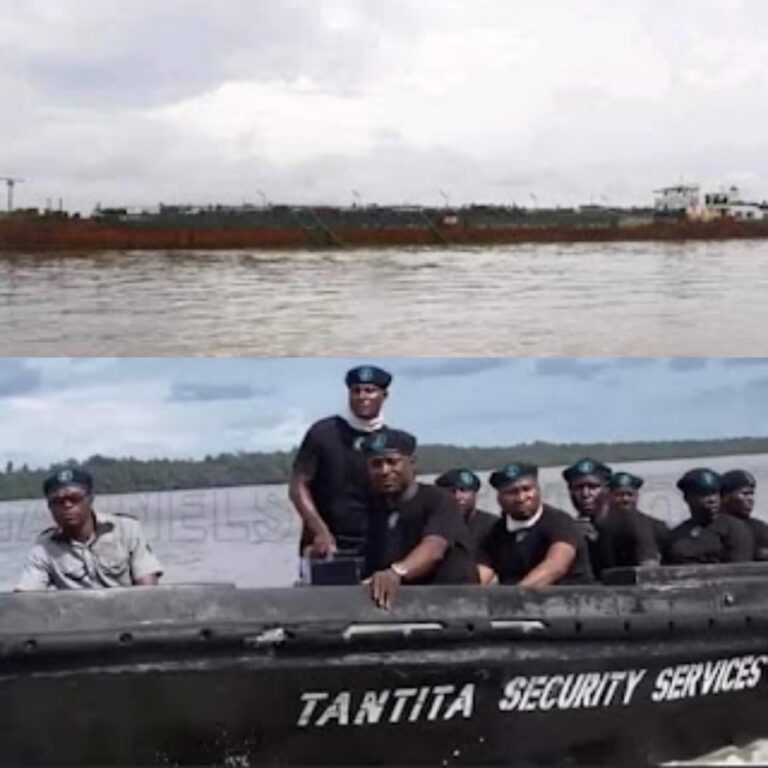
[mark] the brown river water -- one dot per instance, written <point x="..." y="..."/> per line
<point x="640" y="299"/>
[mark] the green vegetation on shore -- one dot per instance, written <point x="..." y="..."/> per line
<point x="128" y="475"/>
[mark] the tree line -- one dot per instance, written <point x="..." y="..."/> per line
<point x="129" y="475"/>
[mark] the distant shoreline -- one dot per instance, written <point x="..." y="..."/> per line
<point x="232" y="470"/>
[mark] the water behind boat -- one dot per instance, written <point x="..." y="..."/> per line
<point x="249" y="535"/>
<point x="623" y="299"/>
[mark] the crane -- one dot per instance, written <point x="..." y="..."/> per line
<point x="10" y="182"/>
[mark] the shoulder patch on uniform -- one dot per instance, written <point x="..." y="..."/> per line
<point x="47" y="535"/>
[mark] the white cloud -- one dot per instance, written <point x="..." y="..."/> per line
<point x="121" y="407"/>
<point x="282" y="123"/>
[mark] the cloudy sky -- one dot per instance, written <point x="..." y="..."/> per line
<point x="400" y="101"/>
<point x="56" y="408"/>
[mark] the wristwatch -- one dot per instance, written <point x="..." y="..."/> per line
<point x="399" y="569"/>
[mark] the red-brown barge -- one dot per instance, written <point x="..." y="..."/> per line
<point x="299" y="227"/>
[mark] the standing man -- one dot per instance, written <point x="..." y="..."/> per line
<point x="463" y="485"/>
<point x="737" y="494"/>
<point x="614" y="540"/>
<point x="86" y="549"/>
<point x="707" y="536"/>
<point x="329" y="484"/>
<point x="415" y="532"/>
<point x="533" y="544"/>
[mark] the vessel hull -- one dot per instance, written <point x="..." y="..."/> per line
<point x="91" y="235"/>
<point x="317" y="676"/>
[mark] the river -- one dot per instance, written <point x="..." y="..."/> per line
<point x="624" y="299"/>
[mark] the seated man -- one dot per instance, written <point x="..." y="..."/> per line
<point x="737" y="495"/>
<point x="532" y="544"/>
<point x="614" y="539"/>
<point x="86" y="549"/>
<point x="587" y="482"/>
<point x="625" y="495"/>
<point x="707" y="536"/>
<point x="464" y="485"/>
<point x="415" y="533"/>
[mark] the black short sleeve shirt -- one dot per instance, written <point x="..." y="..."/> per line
<point x="659" y="527"/>
<point x="393" y="532"/>
<point x="479" y="526"/>
<point x="624" y="539"/>
<point x="725" y="540"/>
<point x="514" y="554"/>
<point x="760" y="534"/>
<point x="330" y="457"/>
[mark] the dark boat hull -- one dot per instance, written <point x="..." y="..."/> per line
<point x="193" y="675"/>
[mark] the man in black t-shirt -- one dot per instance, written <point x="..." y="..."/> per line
<point x="707" y="536"/>
<point x="532" y="544"/>
<point x="737" y="493"/>
<point x="329" y="483"/>
<point x="625" y="496"/>
<point x="415" y="533"/>
<point x="587" y="482"/>
<point x="614" y="539"/>
<point x="463" y="485"/>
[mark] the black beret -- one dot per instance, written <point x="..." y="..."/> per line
<point x="699" y="480"/>
<point x="735" y="480"/>
<point x="511" y="473"/>
<point x="368" y="374"/>
<point x="585" y="467"/>
<point x="625" y="480"/>
<point x="463" y="479"/>
<point x="389" y="440"/>
<point x="67" y="476"/>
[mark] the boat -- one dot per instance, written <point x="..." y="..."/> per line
<point x="654" y="665"/>
<point x="299" y="227"/>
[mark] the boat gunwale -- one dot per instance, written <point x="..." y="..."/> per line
<point x="214" y="618"/>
